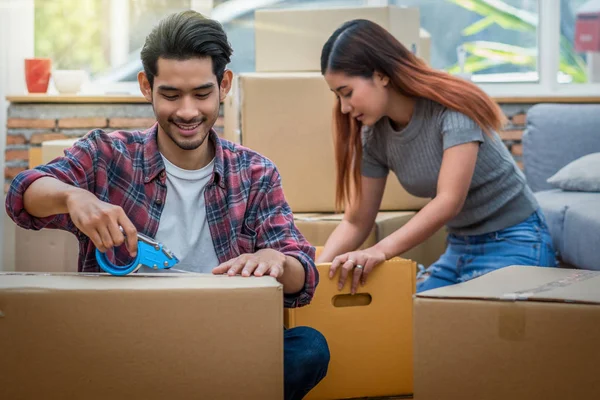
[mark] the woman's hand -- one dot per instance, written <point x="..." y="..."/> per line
<point x="360" y="262"/>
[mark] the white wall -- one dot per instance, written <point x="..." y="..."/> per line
<point x="16" y="44"/>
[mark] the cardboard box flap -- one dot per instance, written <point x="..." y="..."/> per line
<point x="158" y="281"/>
<point x="526" y="283"/>
<point x="381" y="216"/>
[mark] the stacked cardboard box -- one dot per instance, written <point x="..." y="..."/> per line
<point x="290" y="40"/>
<point x="180" y="336"/>
<point x="317" y="227"/>
<point x="517" y="333"/>
<point x="368" y="333"/>
<point x="284" y="111"/>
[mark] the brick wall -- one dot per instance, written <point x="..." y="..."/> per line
<point x="513" y="131"/>
<point x="30" y="124"/>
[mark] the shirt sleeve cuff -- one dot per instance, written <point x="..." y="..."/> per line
<point x="15" y="204"/>
<point x="304" y="297"/>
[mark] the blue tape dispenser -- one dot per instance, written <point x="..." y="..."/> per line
<point x="151" y="254"/>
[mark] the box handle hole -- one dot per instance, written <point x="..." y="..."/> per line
<point x="351" y="300"/>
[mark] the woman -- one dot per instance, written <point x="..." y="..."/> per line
<point x="437" y="133"/>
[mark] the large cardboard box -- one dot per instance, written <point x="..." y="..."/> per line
<point x="518" y="333"/>
<point x="287" y="117"/>
<point x="317" y="228"/>
<point x="140" y="337"/>
<point x="292" y="39"/>
<point x="369" y="333"/>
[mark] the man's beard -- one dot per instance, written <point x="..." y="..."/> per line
<point x="188" y="145"/>
<point x="183" y="143"/>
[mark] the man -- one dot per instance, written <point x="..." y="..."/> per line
<point x="220" y="207"/>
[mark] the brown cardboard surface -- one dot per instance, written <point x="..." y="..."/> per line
<point x="528" y="283"/>
<point x="55" y="148"/>
<point x="292" y="39"/>
<point x="152" y="337"/>
<point x="518" y="333"/>
<point x="318" y="227"/>
<point x="35" y="157"/>
<point x="287" y="117"/>
<point x="424" y="50"/>
<point x="9" y="243"/>
<point x="46" y="250"/>
<point x="370" y="343"/>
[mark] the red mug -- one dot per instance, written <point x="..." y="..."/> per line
<point x="37" y="74"/>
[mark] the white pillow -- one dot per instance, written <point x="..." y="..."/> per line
<point x="582" y="175"/>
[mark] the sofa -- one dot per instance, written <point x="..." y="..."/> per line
<point x="559" y="141"/>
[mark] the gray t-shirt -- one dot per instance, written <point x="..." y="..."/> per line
<point x="498" y="196"/>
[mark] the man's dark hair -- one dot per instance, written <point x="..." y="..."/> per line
<point x="186" y="35"/>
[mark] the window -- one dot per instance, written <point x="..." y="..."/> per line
<point x="574" y="66"/>
<point x="509" y="47"/>
<point x="499" y="40"/>
<point x="102" y="37"/>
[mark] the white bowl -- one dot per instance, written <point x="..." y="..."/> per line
<point x="68" y="81"/>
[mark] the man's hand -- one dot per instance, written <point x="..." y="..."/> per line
<point x="263" y="262"/>
<point x="100" y="221"/>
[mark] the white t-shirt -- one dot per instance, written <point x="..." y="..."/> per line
<point x="183" y="226"/>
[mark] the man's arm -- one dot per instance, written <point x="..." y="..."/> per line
<point x="43" y="206"/>
<point x="281" y="250"/>
<point x="60" y="195"/>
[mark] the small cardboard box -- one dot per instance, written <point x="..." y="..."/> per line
<point x="518" y="333"/>
<point x="55" y="148"/>
<point x="180" y="336"/>
<point x="291" y="39"/>
<point x="369" y="333"/>
<point x="317" y="228"/>
<point x="46" y="250"/>
<point x="48" y="151"/>
<point x="287" y="117"/>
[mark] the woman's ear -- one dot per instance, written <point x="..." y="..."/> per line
<point x="381" y="79"/>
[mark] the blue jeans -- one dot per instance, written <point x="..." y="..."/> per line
<point x="467" y="257"/>
<point x="305" y="361"/>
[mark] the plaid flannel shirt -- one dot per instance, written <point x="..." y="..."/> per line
<point x="245" y="203"/>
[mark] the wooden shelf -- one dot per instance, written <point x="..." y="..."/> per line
<point x="80" y="99"/>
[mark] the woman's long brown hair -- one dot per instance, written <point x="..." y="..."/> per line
<point x="361" y="48"/>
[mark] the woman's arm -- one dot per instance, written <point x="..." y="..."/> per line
<point x="357" y="222"/>
<point x="458" y="165"/>
<point x="454" y="180"/>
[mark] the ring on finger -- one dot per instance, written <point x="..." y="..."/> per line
<point x="359" y="267"/>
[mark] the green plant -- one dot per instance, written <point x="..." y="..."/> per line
<point x="482" y="55"/>
<point x="70" y="32"/>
